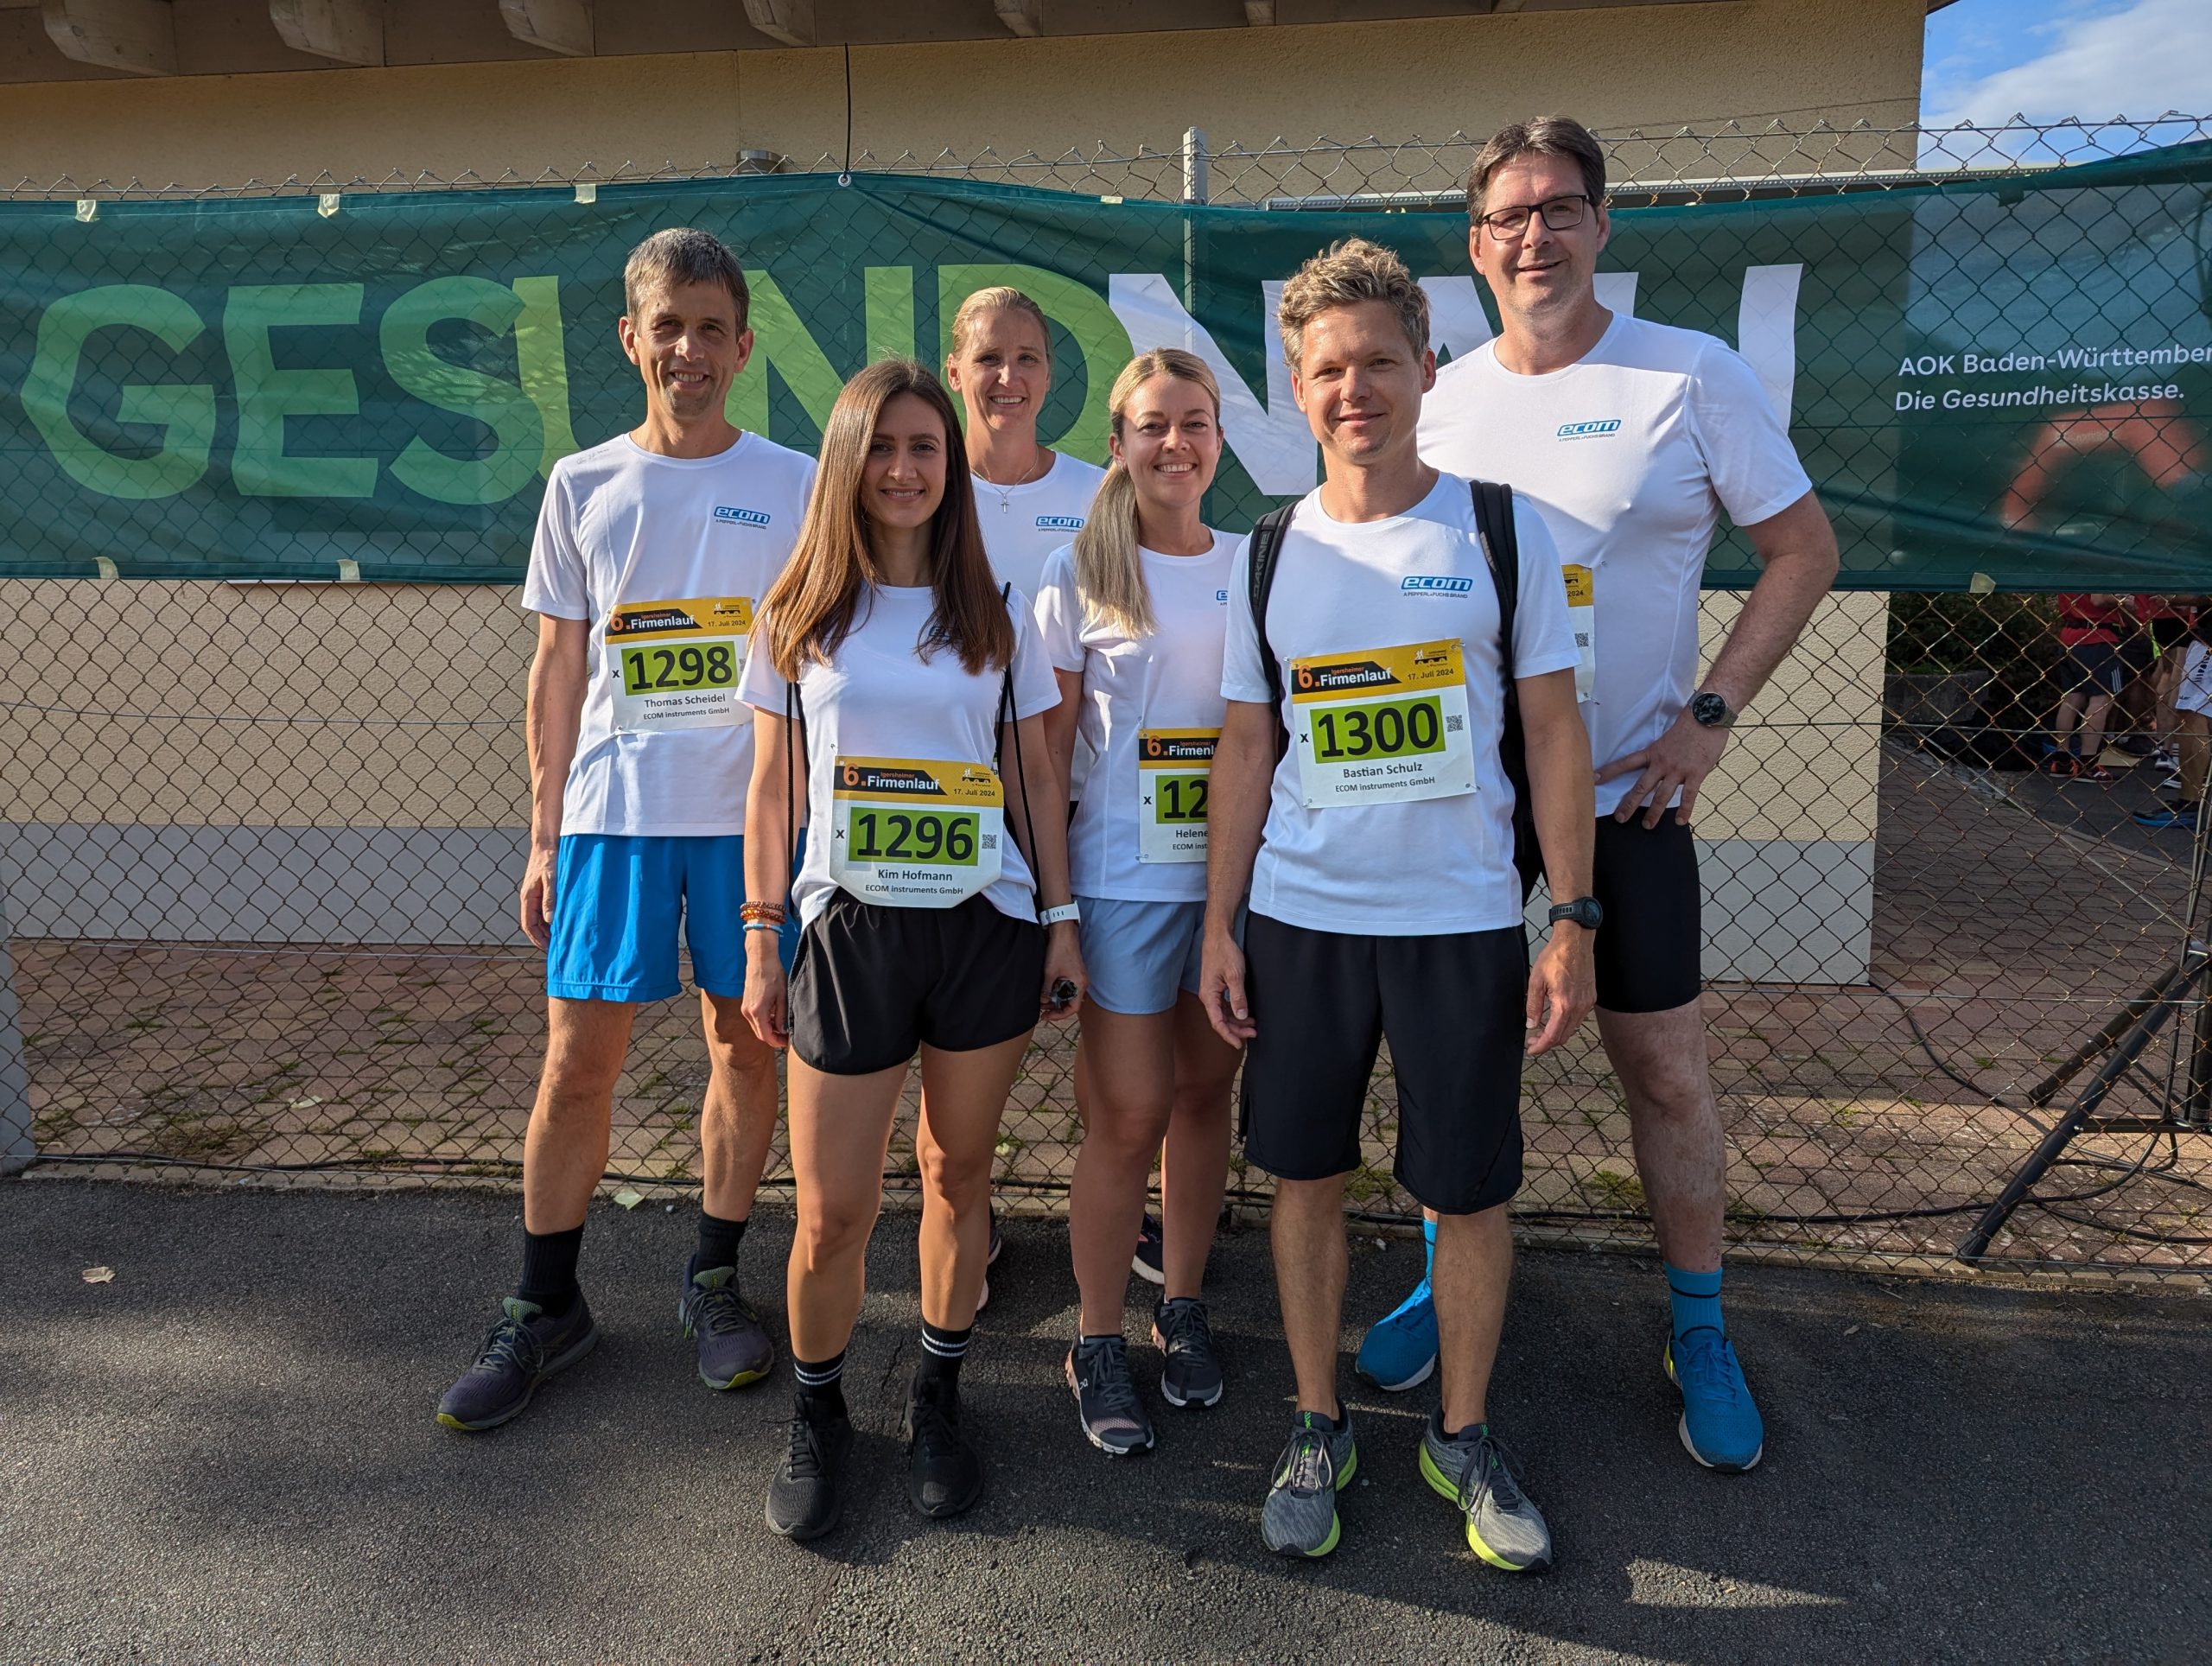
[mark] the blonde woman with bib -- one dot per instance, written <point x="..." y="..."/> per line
<point x="901" y="690"/>
<point x="1134" y="614"/>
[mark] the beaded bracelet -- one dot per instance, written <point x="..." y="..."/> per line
<point x="767" y="913"/>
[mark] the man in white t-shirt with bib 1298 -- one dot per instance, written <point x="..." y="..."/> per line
<point x="1363" y="787"/>
<point x="653" y="551"/>
<point x="1631" y="438"/>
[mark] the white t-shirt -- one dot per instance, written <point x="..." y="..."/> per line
<point x="1022" y="524"/>
<point x="1169" y="680"/>
<point x="1397" y="870"/>
<point x="879" y="698"/>
<point x="1631" y="453"/>
<point x="622" y="526"/>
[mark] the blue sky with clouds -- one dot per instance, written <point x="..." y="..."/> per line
<point x="1987" y="60"/>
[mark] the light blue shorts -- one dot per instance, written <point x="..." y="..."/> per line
<point x="617" y="900"/>
<point x="1139" y="954"/>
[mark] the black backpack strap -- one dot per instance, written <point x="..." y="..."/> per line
<point x="1007" y="721"/>
<point x="1266" y="543"/>
<point x="794" y="726"/>
<point x="1502" y="550"/>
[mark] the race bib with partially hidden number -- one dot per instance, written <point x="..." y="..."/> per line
<point x="1172" y="767"/>
<point x="1582" y="615"/>
<point x="676" y="663"/>
<point x="1382" y="726"/>
<point x="915" y="832"/>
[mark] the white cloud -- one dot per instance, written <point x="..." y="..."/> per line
<point x="2148" y="58"/>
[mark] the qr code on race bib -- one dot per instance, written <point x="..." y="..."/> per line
<point x="1454" y="725"/>
<point x="990" y="841"/>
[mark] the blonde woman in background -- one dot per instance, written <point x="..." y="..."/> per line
<point x="1030" y="500"/>
<point x="1134" y="615"/>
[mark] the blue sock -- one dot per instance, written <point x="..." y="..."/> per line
<point x="1428" y="1245"/>
<point x="1695" y="1298"/>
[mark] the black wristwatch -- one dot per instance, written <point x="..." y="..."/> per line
<point x="1582" y="911"/>
<point x="1709" y="710"/>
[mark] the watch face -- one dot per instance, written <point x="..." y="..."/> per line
<point x="1708" y="710"/>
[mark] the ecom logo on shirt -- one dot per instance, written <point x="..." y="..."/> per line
<point x="1059" y="523"/>
<point x="1589" y="430"/>
<point x="1431" y="585"/>
<point x="730" y="514"/>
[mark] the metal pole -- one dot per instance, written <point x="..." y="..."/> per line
<point x="2118" y="1025"/>
<point x="1976" y="1243"/>
<point x="2195" y="1110"/>
<point x="1196" y="188"/>
<point x="17" y="1148"/>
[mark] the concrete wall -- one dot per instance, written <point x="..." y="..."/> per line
<point x="1653" y="66"/>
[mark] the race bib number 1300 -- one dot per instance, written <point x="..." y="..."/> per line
<point x="1382" y="726"/>
<point x="676" y="663"/>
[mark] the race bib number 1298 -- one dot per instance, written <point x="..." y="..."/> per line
<point x="676" y="663"/>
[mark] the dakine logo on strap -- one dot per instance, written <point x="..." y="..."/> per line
<point x="1436" y="585"/>
<point x="729" y="513"/>
<point x="1589" y="430"/>
<point x="1059" y="523"/>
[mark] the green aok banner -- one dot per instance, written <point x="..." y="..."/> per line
<point x="1992" y="382"/>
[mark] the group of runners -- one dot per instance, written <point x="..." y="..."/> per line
<point x="946" y="734"/>
<point x="2153" y="652"/>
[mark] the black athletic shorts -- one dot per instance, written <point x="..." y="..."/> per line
<point x="1649" y="951"/>
<point x="870" y="983"/>
<point x="1453" y="1006"/>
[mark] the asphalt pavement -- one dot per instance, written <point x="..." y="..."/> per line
<point x="226" y="1453"/>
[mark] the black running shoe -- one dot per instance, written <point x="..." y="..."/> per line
<point x="1148" y="1262"/>
<point x="525" y="1348"/>
<point x="945" y="1472"/>
<point x="734" y="1345"/>
<point x="1106" y="1402"/>
<point x="803" y="1502"/>
<point x="1191" y="1375"/>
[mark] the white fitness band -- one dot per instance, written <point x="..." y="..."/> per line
<point x="1054" y="916"/>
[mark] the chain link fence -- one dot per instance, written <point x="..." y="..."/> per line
<point x="258" y="856"/>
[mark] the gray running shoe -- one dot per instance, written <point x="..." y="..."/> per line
<point x="1192" y="1374"/>
<point x="734" y="1346"/>
<point x="525" y="1348"/>
<point x="1299" y="1517"/>
<point x="1106" y="1396"/>
<point x="1504" y="1527"/>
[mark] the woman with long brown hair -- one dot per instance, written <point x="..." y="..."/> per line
<point x="890" y="676"/>
<point x="1135" y="614"/>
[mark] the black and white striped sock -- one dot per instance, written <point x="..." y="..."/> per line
<point x="821" y="1383"/>
<point x="942" y="1353"/>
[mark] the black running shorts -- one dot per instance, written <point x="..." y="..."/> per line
<point x="1452" y="1008"/>
<point x="1648" y="952"/>
<point x="870" y="985"/>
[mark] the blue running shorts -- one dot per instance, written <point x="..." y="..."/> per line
<point x="1139" y="954"/>
<point x="616" y="902"/>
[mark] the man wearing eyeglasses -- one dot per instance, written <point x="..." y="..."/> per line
<point x="1631" y="438"/>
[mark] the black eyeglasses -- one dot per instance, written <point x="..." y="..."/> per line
<point x="1560" y="214"/>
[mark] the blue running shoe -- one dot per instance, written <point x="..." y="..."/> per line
<point x="1720" y="1427"/>
<point x="1399" y="1351"/>
<point x="2180" y="816"/>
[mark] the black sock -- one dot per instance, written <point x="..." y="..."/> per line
<point x="549" y="1270"/>
<point x="942" y="1353"/>
<point x="718" y="1241"/>
<point x="821" y="1385"/>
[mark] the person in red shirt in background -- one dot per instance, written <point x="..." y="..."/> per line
<point x="2090" y="629"/>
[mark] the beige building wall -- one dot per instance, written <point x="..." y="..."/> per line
<point x="1647" y="67"/>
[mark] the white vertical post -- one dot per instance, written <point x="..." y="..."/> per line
<point x="17" y="1149"/>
